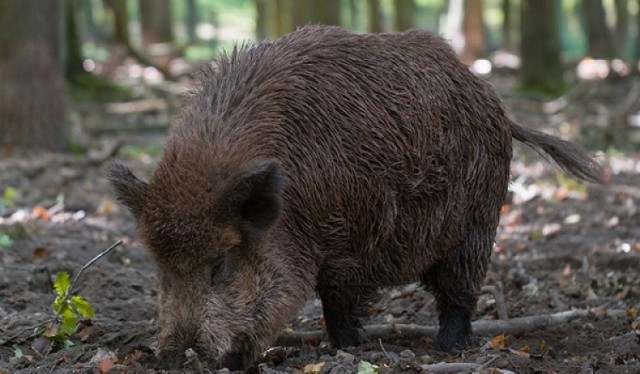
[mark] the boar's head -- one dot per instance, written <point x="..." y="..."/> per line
<point x="223" y="289"/>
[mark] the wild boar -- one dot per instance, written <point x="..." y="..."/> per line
<point x="330" y="162"/>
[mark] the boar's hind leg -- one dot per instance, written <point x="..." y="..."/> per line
<point x="342" y="309"/>
<point x="454" y="282"/>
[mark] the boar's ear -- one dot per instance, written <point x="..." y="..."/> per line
<point x="130" y="190"/>
<point x="253" y="197"/>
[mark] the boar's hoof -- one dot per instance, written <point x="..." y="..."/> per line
<point x="452" y="337"/>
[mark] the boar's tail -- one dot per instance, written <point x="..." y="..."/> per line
<point x="571" y="158"/>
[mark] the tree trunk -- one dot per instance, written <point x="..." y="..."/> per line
<point x="301" y="12"/>
<point x="598" y="34"/>
<point x="73" y="60"/>
<point x="326" y="12"/>
<point x="282" y="17"/>
<point x="120" y="21"/>
<point x="405" y="10"/>
<point x="373" y="16"/>
<point x="156" y="21"/>
<point x="622" y="27"/>
<point x="541" y="68"/>
<point x="93" y="32"/>
<point x="32" y="93"/>
<point x="353" y="14"/>
<point x="262" y="24"/>
<point x="636" y="50"/>
<point x="507" y="24"/>
<point x="192" y="21"/>
<point x="473" y="31"/>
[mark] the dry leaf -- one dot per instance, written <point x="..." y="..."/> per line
<point x="105" y="365"/>
<point x="498" y="342"/>
<point x="51" y="329"/>
<point x="107" y="207"/>
<point x="632" y="312"/>
<point x="40" y="253"/>
<point x="313" y="368"/>
<point x="543" y="346"/>
<point x="41" y="212"/>
<point x="87" y="333"/>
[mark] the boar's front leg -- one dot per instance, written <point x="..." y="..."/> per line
<point x="455" y="281"/>
<point x="342" y="309"/>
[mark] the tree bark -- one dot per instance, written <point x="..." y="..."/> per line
<point x="373" y="16"/>
<point x="120" y="21"/>
<point x="404" y="14"/>
<point x="326" y="12"/>
<point x="262" y="24"/>
<point x="281" y="16"/>
<point x="622" y="27"/>
<point x="32" y="93"/>
<point x="636" y="50"/>
<point x="473" y="31"/>
<point x="156" y="21"/>
<point x="507" y="24"/>
<point x="73" y="61"/>
<point x="301" y="12"/>
<point x="598" y="34"/>
<point x="541" y="68"/>
<point x="353" y="14"/>
<point x="192" y="21"/>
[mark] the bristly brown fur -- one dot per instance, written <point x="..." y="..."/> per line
<point x="332" y="162"/>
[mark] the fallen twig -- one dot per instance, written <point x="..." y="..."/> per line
<point x="450" y="367"/>
<point x="91" y="262"/>
<point x="498" y="295"/>
<point x="482" y="327"/>
<point x="25" y="329"/>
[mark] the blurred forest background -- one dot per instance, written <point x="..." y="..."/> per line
<point x="55" y="54"/>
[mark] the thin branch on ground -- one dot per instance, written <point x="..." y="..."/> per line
<point x="450" y="367"/>
<point x="384" y="350"/>
<point x="23" y="330"/>
<point x="482" y="327"/>
<point x="498" y="295"/>
<point x="91" y="262"/>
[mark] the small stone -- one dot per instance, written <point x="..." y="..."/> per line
<point x="426" y="359"/>
<point x="328" y="366"/>
<point x="345" y="358"/>
<point x="407" y="354"/>
<point x="501" y="363"/>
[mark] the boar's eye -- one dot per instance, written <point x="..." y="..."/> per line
<point x="221" y="268"/>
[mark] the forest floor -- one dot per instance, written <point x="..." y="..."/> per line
<point x="567" y="255"/>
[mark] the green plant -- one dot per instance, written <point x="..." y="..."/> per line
<point x="5" y="239"/>
<point x="8" y="198"/>
<point x="365" y="367"/>
<point x="67" y="308"/>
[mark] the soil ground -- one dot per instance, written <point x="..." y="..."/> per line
<point x="561" y="245"/>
